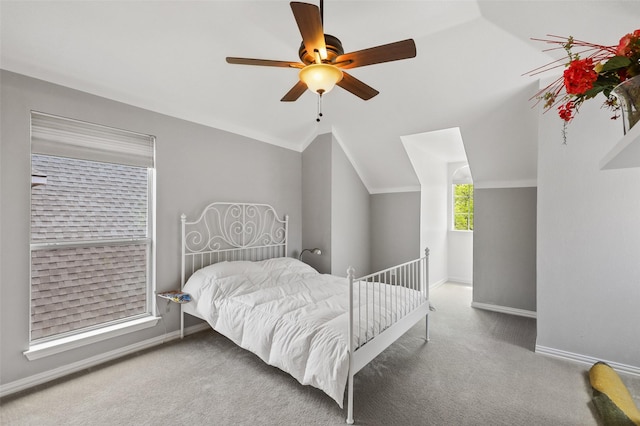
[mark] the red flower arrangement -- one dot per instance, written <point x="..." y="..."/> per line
<point x="580" y="76"/>
<point x="600" y="71"/>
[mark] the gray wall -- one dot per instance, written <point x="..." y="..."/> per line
<point x="504" y="247"/>
<point x="350" y="216"/>
<point x="588" y="243"/>
<point x="316" y="202"/>
<point x="395" y="229"/>
<point x="335" y="210"/>
<point x="195" y="165"/>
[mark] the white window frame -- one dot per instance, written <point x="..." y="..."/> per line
<point x="66" y="341"/>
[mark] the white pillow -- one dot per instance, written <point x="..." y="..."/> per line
<point x="204" y="276"/>
<point x="287" y="264"/>
<point x="226" y="269"/>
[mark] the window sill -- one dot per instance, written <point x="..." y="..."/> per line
<point x="57" y="346"/>
<point x="463" y="231"/>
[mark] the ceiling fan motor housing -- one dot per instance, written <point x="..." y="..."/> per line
<point x="323" y="61"/>
<point x="334" y="49"/>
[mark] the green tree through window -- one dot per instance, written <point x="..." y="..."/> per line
<point x="463" y="207"/>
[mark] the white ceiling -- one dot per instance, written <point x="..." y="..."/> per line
<point x="169" y="57"/>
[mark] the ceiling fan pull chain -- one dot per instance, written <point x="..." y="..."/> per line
<point x="319" y="106"/>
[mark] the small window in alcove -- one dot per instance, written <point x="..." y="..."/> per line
<point x="462" y="200"/>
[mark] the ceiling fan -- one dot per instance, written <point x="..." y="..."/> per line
<point x="323" y="60"/>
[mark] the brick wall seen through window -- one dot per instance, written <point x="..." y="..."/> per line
<point x="90" y="245"/>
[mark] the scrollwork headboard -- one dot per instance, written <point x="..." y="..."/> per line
<point x="232" y="231"/>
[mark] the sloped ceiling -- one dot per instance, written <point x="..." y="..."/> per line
<point x="169" y="57"/>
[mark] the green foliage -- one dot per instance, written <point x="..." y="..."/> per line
<point x="463" y="207"/>
<point x="616" y="63"/>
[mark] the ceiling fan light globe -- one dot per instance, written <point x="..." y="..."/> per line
<point x="320" y="78"/>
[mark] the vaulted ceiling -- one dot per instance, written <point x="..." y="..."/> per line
<point x="169" y="57"/>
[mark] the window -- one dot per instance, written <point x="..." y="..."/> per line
<point x="92" y="227"/>
<point x="462" y="199"/>
<point x="463" y="207"/>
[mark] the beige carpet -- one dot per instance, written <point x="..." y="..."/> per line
<point x="478" y="369"/>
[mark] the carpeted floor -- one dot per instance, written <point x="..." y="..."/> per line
<point x="478" y="369"/>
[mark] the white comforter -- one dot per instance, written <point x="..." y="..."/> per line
<point x="285" y="312"/>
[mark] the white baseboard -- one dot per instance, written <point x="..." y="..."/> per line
<point x="460" y="281"/>
<point x="504" y="309"/>
<point x="56" y="373"/>
<point x="588" y="360"/>
<point x="437" y="284"/>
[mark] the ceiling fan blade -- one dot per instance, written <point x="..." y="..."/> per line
<point x="264" y="62"/>
<point x="310" y="24"/>
<point x="375" y="55"/>
<point x="358" y="88"/>
<point x="295" y="92"/>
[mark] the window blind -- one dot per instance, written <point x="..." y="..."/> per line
<point x="64" y="137"/>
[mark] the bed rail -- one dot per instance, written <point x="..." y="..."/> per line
<point x="382" y="307"/>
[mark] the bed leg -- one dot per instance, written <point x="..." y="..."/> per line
<point x="350" y="275"/>
<point x="427" y="326"/>
<point x="350" y="400"/>
<point x="181" y="323"/>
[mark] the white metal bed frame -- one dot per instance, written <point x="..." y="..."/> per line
<point x="245" y="231"/>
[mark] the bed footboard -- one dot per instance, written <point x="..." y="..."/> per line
<point x="382" y="307"/>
